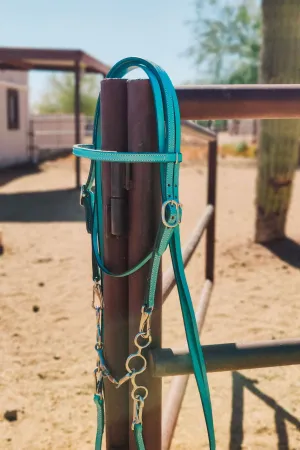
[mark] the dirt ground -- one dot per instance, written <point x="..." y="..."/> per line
<point x="47" y="356"/>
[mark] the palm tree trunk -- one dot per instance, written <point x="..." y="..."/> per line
<point x="279" y="139"/>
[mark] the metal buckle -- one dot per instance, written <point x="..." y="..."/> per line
<point x="82" y="194"/>
<point x="163" y="213"/>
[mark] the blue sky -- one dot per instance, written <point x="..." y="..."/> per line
<point x="108" y="30"/>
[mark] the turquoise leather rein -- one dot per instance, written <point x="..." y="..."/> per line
<point x="168" y="157"/>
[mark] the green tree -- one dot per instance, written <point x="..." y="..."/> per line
<point x="227" y="40"/>
<point x="279" y="139"/>
<point x="59" y="96"/>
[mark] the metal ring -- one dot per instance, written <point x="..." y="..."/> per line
<point x="137" y="388"/>
<point x="136" y="371"/>
<point x="143" y="335"/>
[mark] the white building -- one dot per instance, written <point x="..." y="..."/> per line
<point x="21" y="138"/>
<point x="14" y="117"/>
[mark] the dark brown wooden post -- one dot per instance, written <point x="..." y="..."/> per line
<point x="114" y="137"/>
<point x="77" y="119"/>
<point x="144" y="217"/>
<point x="211" y="200"/>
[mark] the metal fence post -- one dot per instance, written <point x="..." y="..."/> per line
<point x="144" y="217"/>
<point x="77" y="119"/>
<point x="211" y="200"/>
<point x="114" y="137"/>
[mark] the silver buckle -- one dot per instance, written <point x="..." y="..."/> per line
<point x="163" y="213"/>
<point x="82" y="194"/>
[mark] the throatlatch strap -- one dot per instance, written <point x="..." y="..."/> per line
<point x="168" y="157"/>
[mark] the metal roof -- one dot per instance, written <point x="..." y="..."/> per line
<point x="12" y="58"/>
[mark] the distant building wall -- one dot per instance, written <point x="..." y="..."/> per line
<point x="55" y="130"/>
<point x="24" y="138"/>
<point x="13" y="117"/>
<point x="49" y="134"/>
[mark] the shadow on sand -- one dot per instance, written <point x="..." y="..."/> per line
<point x="281" y="415"/>
<point x="287" y="250"/>
<point x="15" y="172"/>
<point x="49" y="206"/>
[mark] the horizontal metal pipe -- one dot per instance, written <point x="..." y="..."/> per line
<point x="179" y="384"/>
<point x="227" y="357"/>
<point x="189" y="249"/>
<point x="205" y="133"/>
<point x="203" y="304"/>
<point x="239" y="101"/>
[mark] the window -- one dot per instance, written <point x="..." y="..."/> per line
<point x="13" y="122"/>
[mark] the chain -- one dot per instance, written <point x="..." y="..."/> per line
<point x="139" y="393"/>
<point x="101" y="371"/>
<point x="98" y="306"/>
<point x="142" y="340"/>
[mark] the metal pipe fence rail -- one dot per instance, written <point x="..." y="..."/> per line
<point x="248" y="101"/>
<point x="189" y="249"/>
<point x="225" y="357"/>
<point x="213" y="102"/>
<point x="196" y="102"/>
<point x="179" y="384"/>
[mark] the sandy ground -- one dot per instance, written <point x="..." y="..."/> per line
<point x="47" y="356"/>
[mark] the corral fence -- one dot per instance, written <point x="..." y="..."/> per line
<point x="132" y="191"/>
<point x="53" y="134"/>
